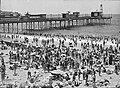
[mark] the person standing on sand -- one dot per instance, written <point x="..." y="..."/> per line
<point x="15" y="68"/>
<point x="79" y="74"/>
<point x="116" y="68"/>
<point x="94" y="79"/>
<point x="86" y="76"/>
<point x="10" y="54"/>
<point x="29" y="74"/>
<point x="3" y="69"/>
<point x="99" y="70"/>
<point x="119" y="66"/>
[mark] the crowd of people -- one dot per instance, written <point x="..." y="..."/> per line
<point x="80" y="58"/>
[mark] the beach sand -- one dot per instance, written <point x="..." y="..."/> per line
<point x="20" y="78"/>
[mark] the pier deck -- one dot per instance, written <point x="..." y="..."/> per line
<point x="28" y="25"/>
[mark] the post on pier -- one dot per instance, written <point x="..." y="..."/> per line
<point x="21" y="27"/>
<point x="60" y="25"/>
<point x="41" y="25"/>
<point x="26" y="26"/>
<point x="91" y="21"/>
<point x="104" y="21"/>
<point x="33" y="25"/>
<point x="99" y="21"/>
<point x="64" y="24"/>
<point x="55" y="24"/>
<point x="96" y="21"/>
<point x="12" y="27"/>
<point x="3" y="28"/>
<point x="38" y="25"/>
<point x="17" y="29"/>
<point x="87" y="21"/>
<point x="50" y="24"/>
<point x="29" y="25"/>
<point x="8" y="28"/>
<point x="72" y="23"/>
<point x="46" y="24"/>
<point x="83" y="22"/>
<point x="76" y="22"/>
<point x="68" y="23"/>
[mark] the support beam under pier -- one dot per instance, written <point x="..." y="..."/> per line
<point x="3" y="28"/>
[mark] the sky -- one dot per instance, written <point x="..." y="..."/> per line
<point x="60" y="6"/>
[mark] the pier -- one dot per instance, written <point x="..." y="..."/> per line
<point x="29" y="25"/>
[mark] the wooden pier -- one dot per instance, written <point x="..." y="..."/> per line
<point x="28" y="25"/>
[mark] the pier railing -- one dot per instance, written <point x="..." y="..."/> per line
<point x="107" y="15"/>
<point x="52" y="21"/>
<point x="84" y="15"/>
<point x="89" y="15"/>
<point x="53" y="17"/>
<point x="80" y="15"/>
